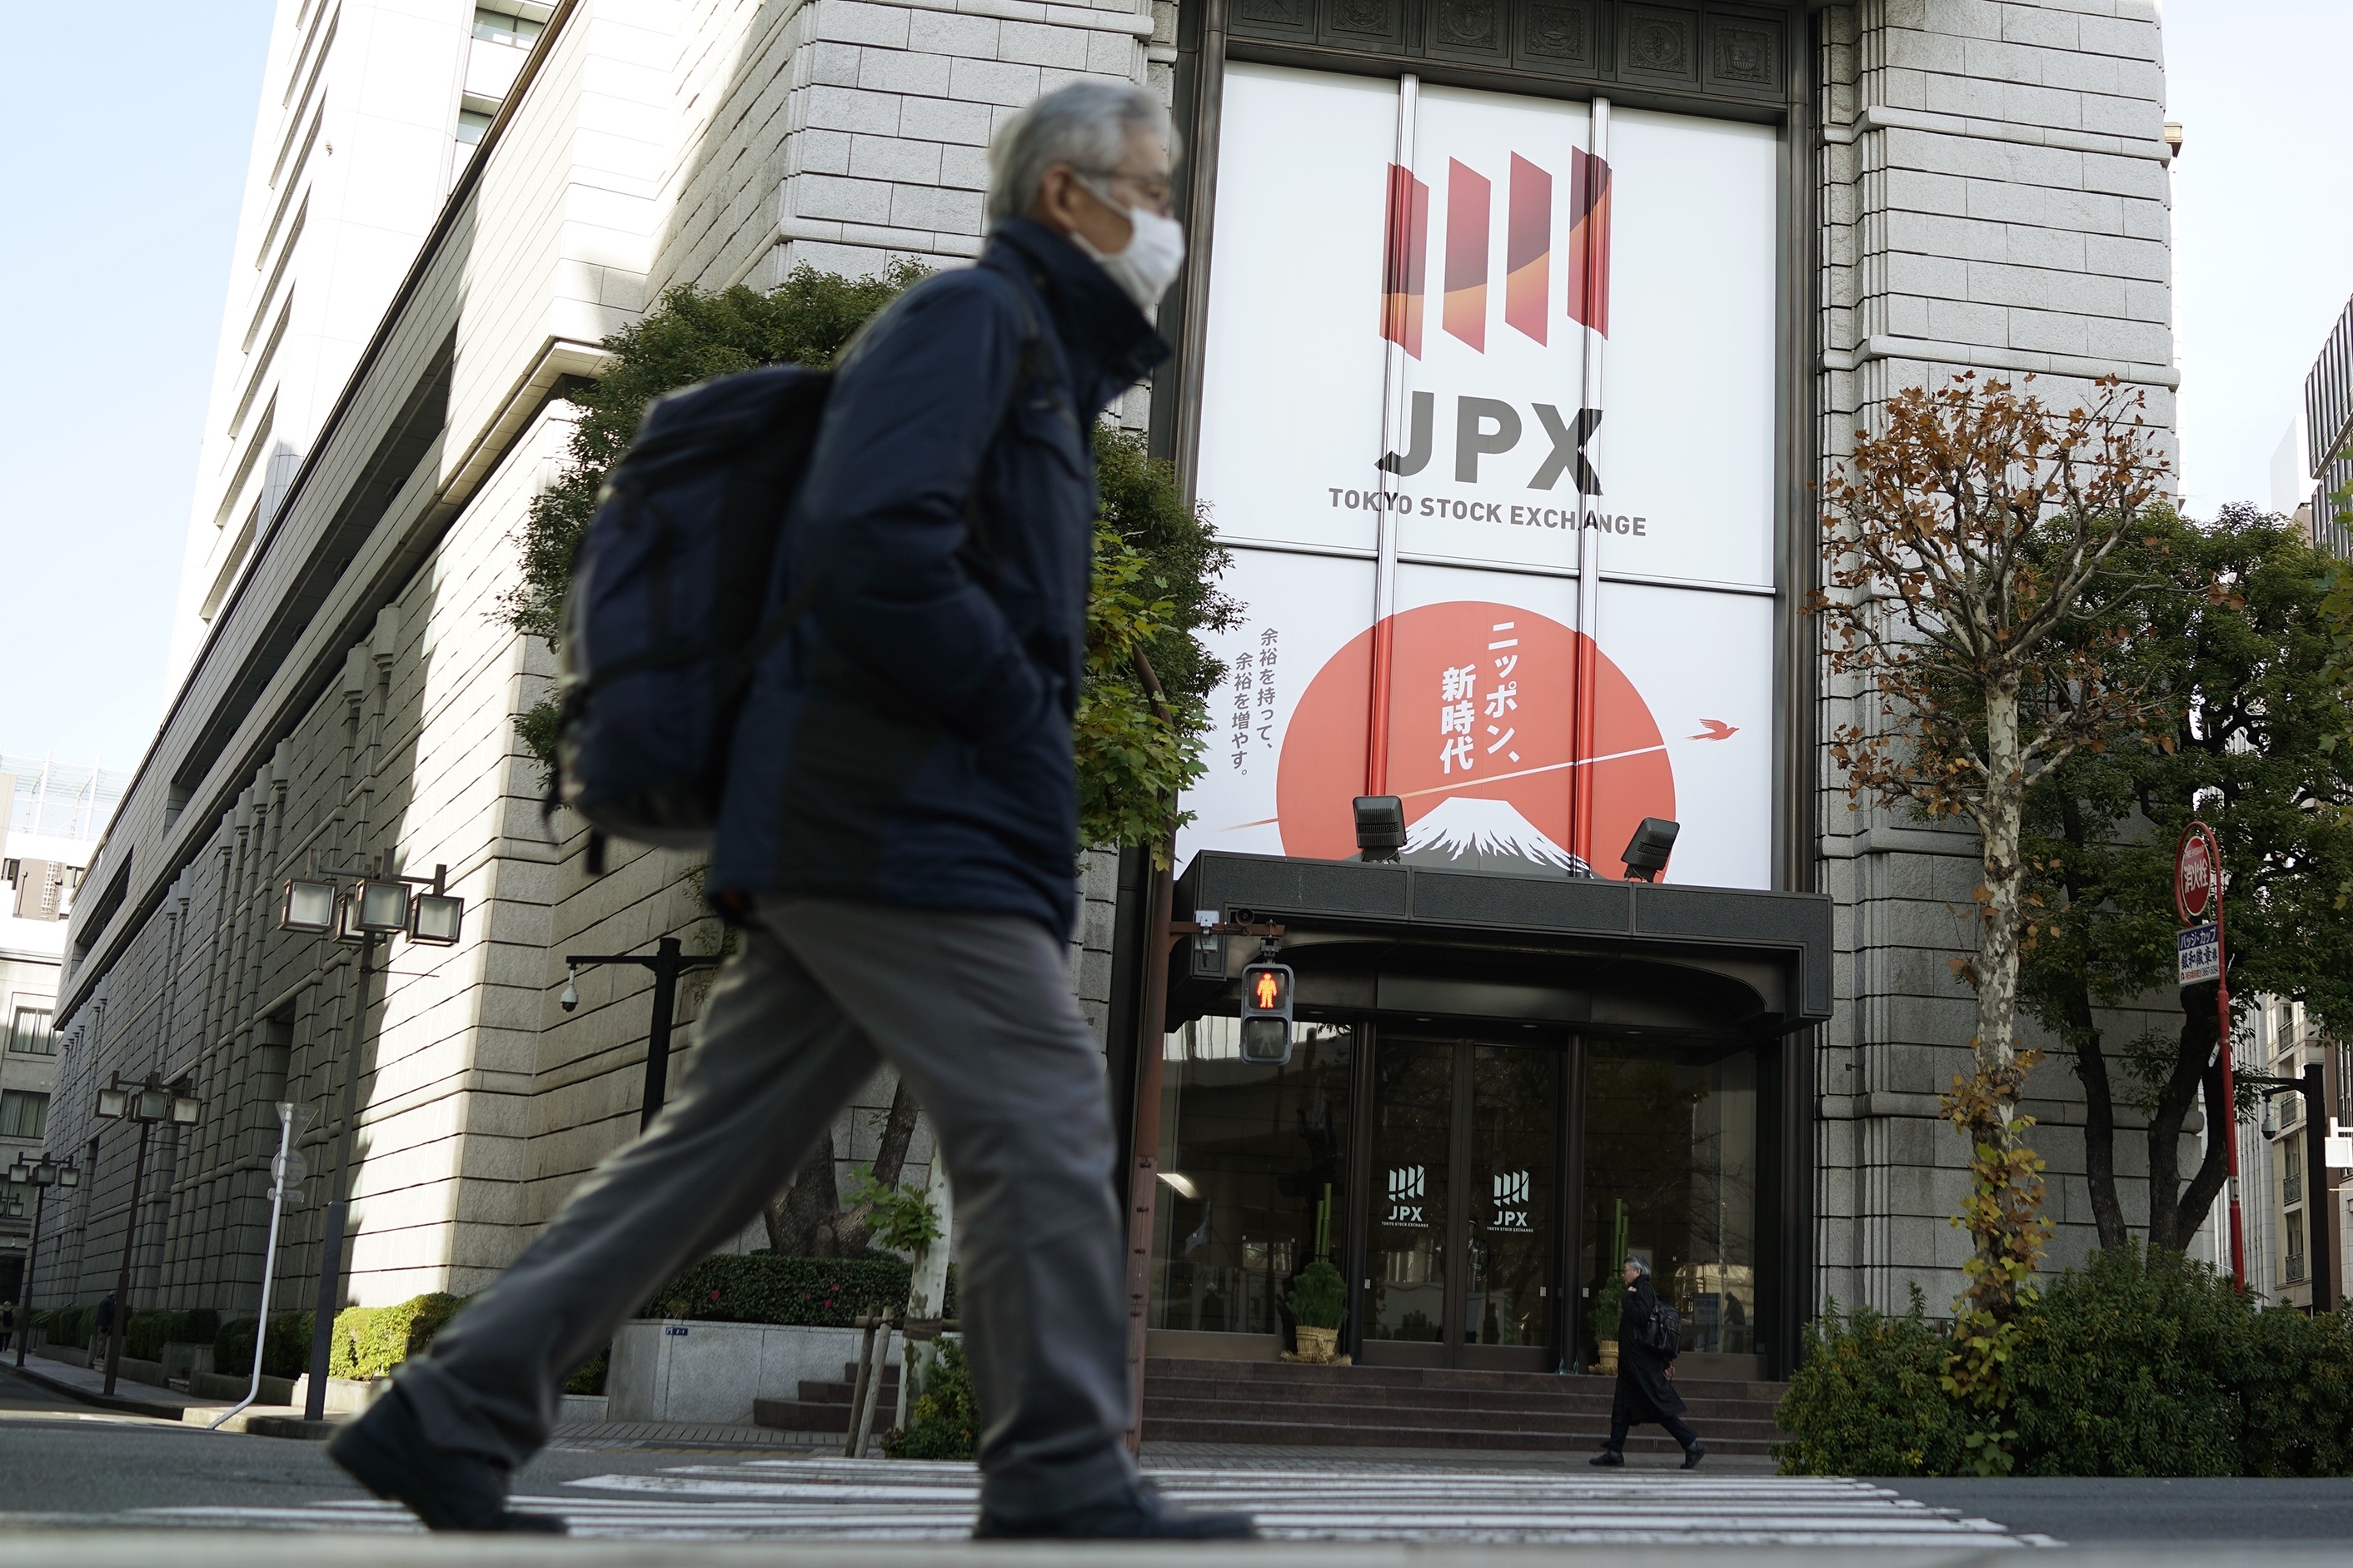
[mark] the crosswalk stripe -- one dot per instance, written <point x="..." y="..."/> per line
<point x="915" y="1500"/>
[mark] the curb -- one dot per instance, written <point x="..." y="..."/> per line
<point x="291" y="1426"/>
<point x="122" y="1403"/>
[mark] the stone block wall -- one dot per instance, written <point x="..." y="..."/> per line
<point x="1993" y="181"/>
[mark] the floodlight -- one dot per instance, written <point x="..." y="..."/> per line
<point x="309" y="907"/>
<point x="383" y="906"/>
<point x="1380" y="825"/>
<point x="435" y="918"/>
<point x="114" y="1102"/>
<point x="1646" y="851"/>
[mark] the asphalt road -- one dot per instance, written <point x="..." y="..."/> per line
<point x="64" y="1463"/>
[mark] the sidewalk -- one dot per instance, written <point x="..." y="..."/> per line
<point x="85" y="1385"/>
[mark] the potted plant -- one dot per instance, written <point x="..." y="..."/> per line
<point x="1607" y="1301"/>
<point x="1318" y="1302"/>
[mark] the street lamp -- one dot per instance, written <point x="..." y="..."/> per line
<point x="146" y="1103"/>
<point x="379" y="906"/>
<point x="668" y="961"/>
<point x="40" y="1175"/>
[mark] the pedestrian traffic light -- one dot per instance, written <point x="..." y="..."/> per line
<point x="1266" y="1013"/>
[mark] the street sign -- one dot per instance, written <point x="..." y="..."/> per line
<point x="2337" y="1149"/>
<point x="2199" y="953"/>
<point x="2196" y="875"/>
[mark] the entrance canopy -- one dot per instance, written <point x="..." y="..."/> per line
<point x="1628" y="959"/>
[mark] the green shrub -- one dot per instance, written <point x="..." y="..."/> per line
<point x="371" y="1340"/>
<point x="760" y="1287"/>
<point x="2296" y="1394"/>
<point x="942" y="1421"/>
<point x="288" y="1353"/>
<point x="2130" y="1366"/>
<point x="146" y="1333"/>
<point x="589" y="1376"/>
<point x="1319" y="1299"/>
<point x="68" y="1325"/>
<point x="1866" y="1400"/>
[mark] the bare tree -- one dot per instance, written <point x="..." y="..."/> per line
<point x="1970" y="547"/>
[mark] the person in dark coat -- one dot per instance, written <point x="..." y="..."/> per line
<point x="1646" y="1391"/>
<point x="895" y="853"/>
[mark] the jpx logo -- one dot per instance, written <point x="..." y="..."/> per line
<point x="1406" y="1195"/>
<point x="1527" y="252"/>
<point x="1511" y="1201"/>
<point x="1488" y="427"/>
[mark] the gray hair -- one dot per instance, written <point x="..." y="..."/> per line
<point x="1642" y="1264"/>
<point x="1085" y="126"/>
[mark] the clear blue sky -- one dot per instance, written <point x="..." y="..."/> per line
<point x="130" y="123"/>
<point x="123" y="201"/>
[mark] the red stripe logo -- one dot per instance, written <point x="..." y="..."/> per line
<point x="1527" y="252"/>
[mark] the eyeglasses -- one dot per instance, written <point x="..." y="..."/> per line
<point x="1157" y="190"/>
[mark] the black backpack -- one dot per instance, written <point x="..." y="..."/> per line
<point x="1665" y="1331"/>
<point x="668" y="614"/>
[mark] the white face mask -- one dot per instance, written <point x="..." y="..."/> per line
<point x="1155" y="254"/>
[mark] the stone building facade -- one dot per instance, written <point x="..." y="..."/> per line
<point x="1966" y="183"/>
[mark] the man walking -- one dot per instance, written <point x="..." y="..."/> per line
<point x="1645" y="1372"/>
<point x="896" y="851"/>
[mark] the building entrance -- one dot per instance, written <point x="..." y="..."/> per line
<point x="1461" y="1239"/>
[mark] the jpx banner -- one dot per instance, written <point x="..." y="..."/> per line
<point x="1488" y="422"/>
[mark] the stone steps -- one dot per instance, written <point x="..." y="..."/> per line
<point x="824" y="1405"/>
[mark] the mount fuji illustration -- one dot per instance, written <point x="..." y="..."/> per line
<point x="1472" y="834"/>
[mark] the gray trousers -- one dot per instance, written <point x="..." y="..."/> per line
<point x="975" y="1012"/>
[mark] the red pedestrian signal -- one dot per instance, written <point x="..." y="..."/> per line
<point x="1266" y="1013"/>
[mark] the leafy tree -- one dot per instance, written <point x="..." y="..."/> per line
<point x="2235" y="646"/>
<point x="1157" y="559"/>
<point x="1964" y="542"/>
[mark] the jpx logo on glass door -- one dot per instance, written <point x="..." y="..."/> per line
<point x="1406" y="1200"/>
<point x="1510" y="1201"/>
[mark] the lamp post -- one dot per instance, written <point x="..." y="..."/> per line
<point x="668" y="961"/>
<point x="146" y="1103"/>
<point x="378" y="907"/>
<point x="40" y="1175"/>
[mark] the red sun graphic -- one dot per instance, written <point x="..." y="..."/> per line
<point x="1481" y="720"/>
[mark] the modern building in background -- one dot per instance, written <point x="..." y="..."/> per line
<point x="2313" y="470"/>
<point x="1514" y="340"/>
<point x="52" y="815"/>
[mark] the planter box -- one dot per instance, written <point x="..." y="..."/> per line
<point x="182" y="1359"/>
<point x="224" y="1385"/>
<point x="666" y="1370"/>
<point x="581" y="1407"/>
<point x="72" y="1355"/>
<point x="132" y="1369"/>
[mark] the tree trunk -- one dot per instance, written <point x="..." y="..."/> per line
<point x="2099" y="1120"/>
<point x="890" y="1159"/>
<point x="806" y="1219"/>
<point x="2001" y="913"/>
<point x="2191" y="1061"/>
<point x="802" y="1218"/>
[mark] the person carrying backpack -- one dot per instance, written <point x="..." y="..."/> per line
<point x="895" y="847"/>
<point x="1647" y="1334"/>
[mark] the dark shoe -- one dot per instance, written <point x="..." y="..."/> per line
<point x="1694" y="1455"/>
<point x="386" y="1451"/>
<point x="1608" y="1459"/>
<point x="1139" y="1516"/>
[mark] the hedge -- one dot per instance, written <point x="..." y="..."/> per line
<point x="2141" y="1363"/>
<point x="68" y="1325"/>
<point x="146" y="1334"/>
<point x="288" y="1353"/>
<point x="371" y="1340"/>
<point x="761" y="1287"/>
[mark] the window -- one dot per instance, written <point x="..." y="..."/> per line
<point x="31" y="1034"/>
<point x="24" y="1114"/>
<point x="505" y="28"/>
<point x="471" y="124"/>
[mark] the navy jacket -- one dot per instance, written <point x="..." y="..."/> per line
<point x="909" y="741"/>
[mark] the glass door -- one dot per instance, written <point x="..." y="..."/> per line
<point x="1465" y="1171"/>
